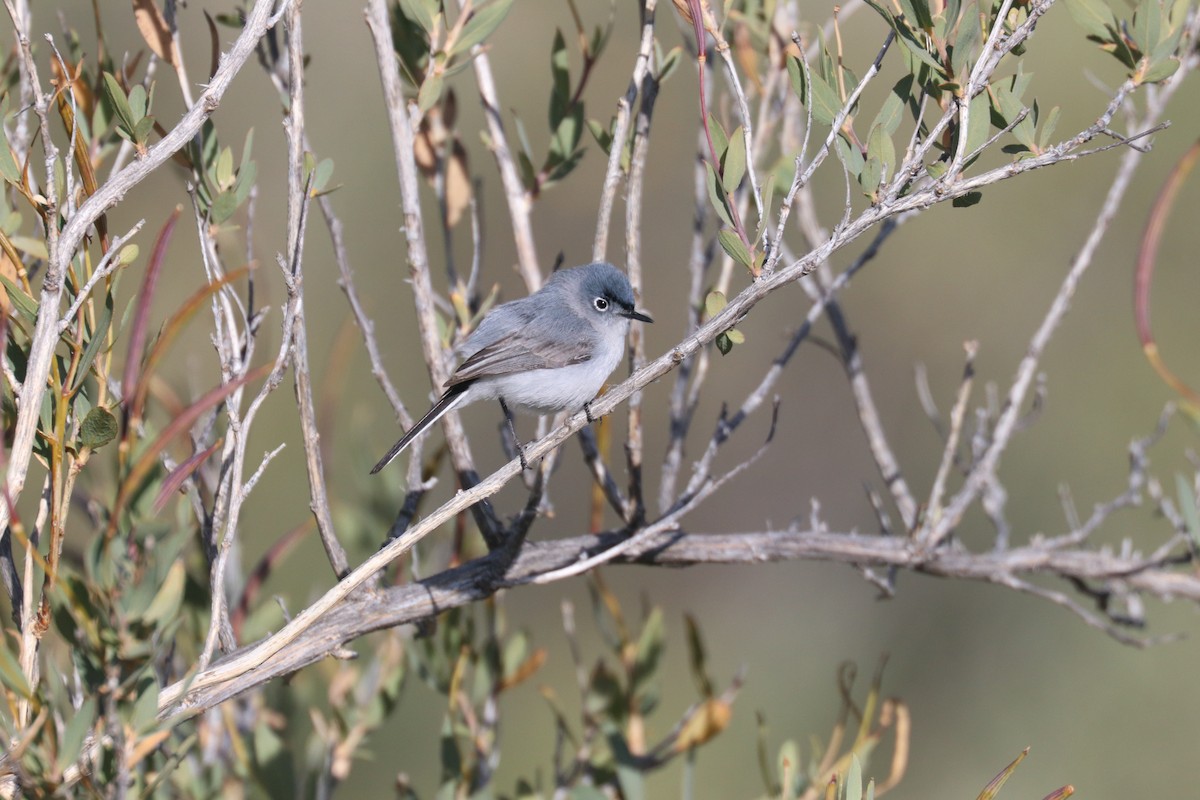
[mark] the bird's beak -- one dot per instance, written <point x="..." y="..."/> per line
<point x="639" y="316"/>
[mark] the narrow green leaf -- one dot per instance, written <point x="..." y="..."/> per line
<point x="485" y="18"/>
<point x="649" y="649"/>
<point x="1095" y="17"/>
<point x="716" y="196"/>
<point x="97" y="342"/>
<point x="979" y="124"/>
<point x="322" y="174"/>
<point x="733" y="164"/>
<point x="732" y="244"/>
<point x="853" y="787"/>
<point x="23" y="303"/>
<point x="695" y="643"/>
<point x="891" y="113"/>
<point x="1160" y="70"/>
<point x="1188" y="507"/>
<point x="967" y="42"/>
<point x="1009" y="108"/>
<point x="145" y="708"/>
<point x="8" y="165"/>
<point x="11" y="674"/>
<point x="420" y="12"/>
<point x="850" y="156"/>
<point x="880" y="146"/>
<point x="222" y="208"/>
<point x="138" y="102"/>
<point x="1147" y="24"/>
<point x="431" y="91"/>
<point x="166" y="602"/>
<point x="1048" y="127"/>
<point x="70" y="745"/>
<point x="719" y="137"/>
<point x="871" y="176"/>
<point x="824" y="102"/>
<point x="967" y="200"/>
<point x="560" y="93"/>
<point x="120" y="103"/>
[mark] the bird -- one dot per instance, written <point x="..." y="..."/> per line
<point x="551" y="351"/>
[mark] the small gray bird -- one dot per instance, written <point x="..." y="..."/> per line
<point x="548" y="352"/>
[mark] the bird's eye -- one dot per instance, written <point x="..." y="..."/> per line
<point x="601" y="304"/>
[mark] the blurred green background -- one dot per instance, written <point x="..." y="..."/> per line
<point x="985" y="671"/>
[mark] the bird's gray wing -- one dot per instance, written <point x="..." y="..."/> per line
<point x="517" y="353"/>
<point x="514" y="339"/>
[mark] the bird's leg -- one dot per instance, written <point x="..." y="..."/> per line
<point x="587" y="411"/>
<point x="512" y="428"/>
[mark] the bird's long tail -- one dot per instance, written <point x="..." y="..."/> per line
<point x="449" y="400"/>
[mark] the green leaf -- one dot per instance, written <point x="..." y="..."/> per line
<point x="850" y="156"/>
<point x="853" y="787"/>
<point x="139" y="102"/>
<point x="733" y="164"/>
<point x="1095" y="17"/>
<point x="937" y="169"/>
<point x="649" y="650"/>
<point x="485" y="18"/>
<point x="879" y="146"/>
<point x="668" y="63"/>
<point x="431" y="91"/>
<point x="719" y="138"/>
<point x="723" y="344"/>
<point x="8" y="165"/>
<point x="23" y="303"/>
<point x="11" y="674"/>
<point x="716" y="196"/>
<point x="97" y="341"/>
<point x="1147" y="24"/>
<point x="713" y="303"/>
<point x="735" y="336"/>
<point x="824" y="104"/>
<point x="167" y="600"/>
<point x="321" y="175"/>
<point x="871" y="176"/>
<point x="601" y="134"/>
<point x="1048" y="127"/>
<point x="141" y="131"/>
<point x="1188" y="508"/>
<point x="560" y="93"/>
<point x="568" y="133"/>
<point x="916" y="13"/>
<point x="891" y="113"/>
<point x="98" y="429"/>
<point x="145" y="708"/>
<point x="1009" y="108"/>
<point x="732" y="244"/>
<point x="1160" y="71"/>
<point x="695" y="644"/>
<point x="979" y="124"/>
<point x="70" y="744"/>
<point x="967" y="200"/>
<point x="970" y="35"/>
<point x="223" y="206"/>
<point x="420" y="12"/>
<point x="120" y="103"/>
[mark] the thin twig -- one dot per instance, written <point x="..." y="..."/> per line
<point x="299" y="195"/>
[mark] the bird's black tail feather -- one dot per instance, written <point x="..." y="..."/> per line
<point x="447" y="401"/>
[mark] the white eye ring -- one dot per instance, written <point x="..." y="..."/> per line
<point x="600" y="303"/>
